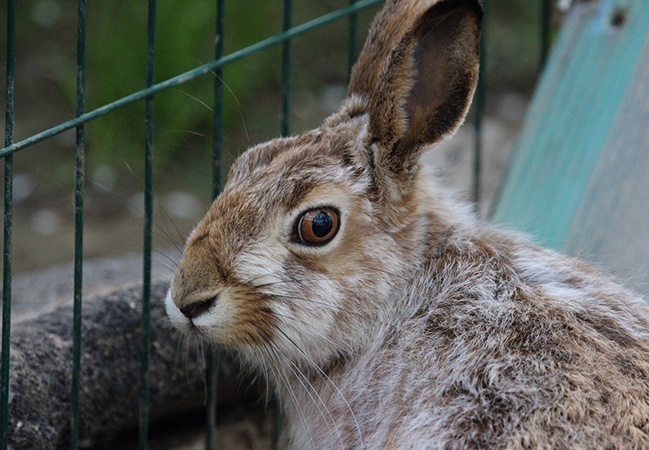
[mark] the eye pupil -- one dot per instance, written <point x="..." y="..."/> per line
<point x="322" y="224"/>
<point x="317" y="226"/>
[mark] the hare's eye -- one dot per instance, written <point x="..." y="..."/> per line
<point x="317" y="226"/>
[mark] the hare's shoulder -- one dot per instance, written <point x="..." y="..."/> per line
<point x="491" y="287"/>
<point x="496" y="355"/>
<point x="556" y="352"/>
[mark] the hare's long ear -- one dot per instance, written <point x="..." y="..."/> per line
<point x="416" y="75"/>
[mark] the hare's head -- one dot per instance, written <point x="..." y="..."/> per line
<point x="301" y="251"/>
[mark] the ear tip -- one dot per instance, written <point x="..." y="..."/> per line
<point x="481" y="7"/>
<point x="477" y="7"/>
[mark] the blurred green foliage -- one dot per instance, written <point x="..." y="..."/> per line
<point x="185" y="39"/>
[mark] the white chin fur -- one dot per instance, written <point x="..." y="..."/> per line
<point x="177" y="318"/>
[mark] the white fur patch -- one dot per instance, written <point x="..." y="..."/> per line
<point x="214" y="321"/>
<point x="176" y="317"/>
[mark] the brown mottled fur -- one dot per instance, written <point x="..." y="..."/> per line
<point x="416" y="326"/>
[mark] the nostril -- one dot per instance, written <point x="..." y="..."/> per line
<point x="197" y="308"/>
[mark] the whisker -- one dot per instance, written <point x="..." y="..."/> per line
<point x="292" y="395"/>
<point x="331" y="307"/>
<point x="171" y="241"/>
<point x="300" y="376"/>
<point x="194" y="98"/>
<point x="174" y="262"/>
<point x="161" y="207"/>
<point x="318" y="369"/>
<point x="243" y="120"/>
<point x="200" y="359"/>
<point x="172" y="270"/>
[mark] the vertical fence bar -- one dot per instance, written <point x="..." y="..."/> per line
<point x="8" y="222"/>
<point x="286" y="70"/>
<point x="78" y="224"/>
<point x="148" y="221"/>
<point x="285" y="130"/>
<point x="217" y="149"/>
<point x="480" y="100"/>
<point x="546" y="22"/>
<point x="217" y="126"/>
<point x="353" y="37"/>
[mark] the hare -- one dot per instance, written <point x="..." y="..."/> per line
<point x="383" y="313"/>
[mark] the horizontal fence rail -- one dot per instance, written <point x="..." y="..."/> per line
<point x="189" y="75"/>
<point x="147" y="95"/>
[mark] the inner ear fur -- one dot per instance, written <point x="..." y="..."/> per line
<point x="426" y="78"/>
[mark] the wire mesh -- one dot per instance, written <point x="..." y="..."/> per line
<point x="190" y="75"/>
<point x="147" y="94"/>
<point x="216" y="68"/>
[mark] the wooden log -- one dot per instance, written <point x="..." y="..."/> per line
<point x="41" y="370"/>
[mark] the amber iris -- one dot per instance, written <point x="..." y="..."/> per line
<point x="318" y="226"/>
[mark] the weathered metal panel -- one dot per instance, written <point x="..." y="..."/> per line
<point x="612" y="223"/>
<point x="577" y="181"/>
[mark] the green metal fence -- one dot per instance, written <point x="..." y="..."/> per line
<point x="147" y="95"/>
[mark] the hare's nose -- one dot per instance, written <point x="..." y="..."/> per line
<point x="197" y="308"/>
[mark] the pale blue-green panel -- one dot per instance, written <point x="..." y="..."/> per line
<point x="611" y="226"/>
<point x="572" y="116"/>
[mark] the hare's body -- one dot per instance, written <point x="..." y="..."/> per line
<point x="383" y="314"/>
<point x="496" y="344"/>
